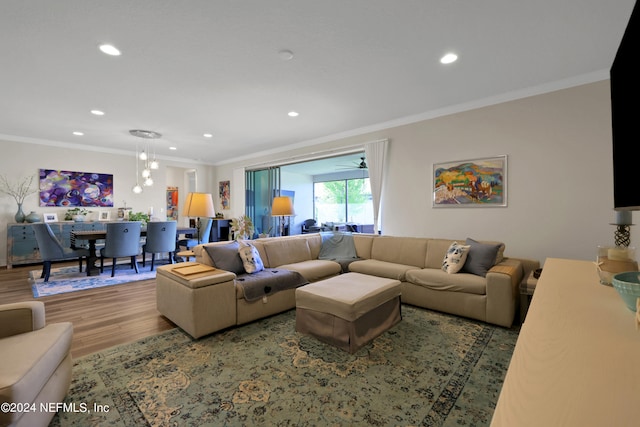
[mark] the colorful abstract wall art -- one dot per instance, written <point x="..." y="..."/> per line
<point x="69" y="189"/>
<point x="172" y="203"/>
<point x="224" y="192"/>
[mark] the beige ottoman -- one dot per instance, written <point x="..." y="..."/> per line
<point x="198" y="298"/>
<point x="348" y="310"/>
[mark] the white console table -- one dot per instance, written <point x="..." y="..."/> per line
<point x="577" y="358"/>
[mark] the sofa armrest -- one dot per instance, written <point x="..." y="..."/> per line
<point x="21" y="317"/>
<point x="198" y="280"/>
<point x="503" y="280"/>
<point x="201" y="255"/>
<point x="528" y="265"/>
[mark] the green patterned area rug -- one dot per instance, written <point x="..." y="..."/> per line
<point x="431" y="369"/>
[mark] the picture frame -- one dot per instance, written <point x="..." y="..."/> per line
<point x="104" y="216"/>
<point x="123" y="213"/>
<point x="50" y="217"/>
<point x="75" y="189"/>
<point x="480" y="182"/>
<point x="224" y="193"/>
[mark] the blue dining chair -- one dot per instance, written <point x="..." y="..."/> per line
<point x="161" y="237"/>
<point x="205" y="232"/>
<point x="52" y="250"/>
<point x="122" y="240"/>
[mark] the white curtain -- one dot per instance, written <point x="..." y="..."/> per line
<point x="375" y="153"/>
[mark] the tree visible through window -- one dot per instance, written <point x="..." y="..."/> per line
<point x="346" y="200"/>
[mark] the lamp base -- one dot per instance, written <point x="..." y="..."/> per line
<point x="622" y="235"/>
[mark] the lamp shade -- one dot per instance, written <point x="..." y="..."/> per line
<point x="282" y="206"/>
<point x="198" y="205"/>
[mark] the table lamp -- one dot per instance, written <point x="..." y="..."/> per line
<point x="282" y="206"/>
<point x="198" y="205"/>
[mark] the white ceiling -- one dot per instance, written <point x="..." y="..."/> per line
<point x="194" y="66"/>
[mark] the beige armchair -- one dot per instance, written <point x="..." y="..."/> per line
<point x="35" y="363"/>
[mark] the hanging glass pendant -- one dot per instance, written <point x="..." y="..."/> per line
<point x="144" y="156"/>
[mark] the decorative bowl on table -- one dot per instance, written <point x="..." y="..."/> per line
<point x="628" y="286"/>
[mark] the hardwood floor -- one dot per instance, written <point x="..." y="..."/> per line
<point x="101" y="318"/>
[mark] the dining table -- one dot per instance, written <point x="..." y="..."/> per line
<point x="92" y="237"/>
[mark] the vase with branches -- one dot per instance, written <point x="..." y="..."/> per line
<point x="19" y="190"/>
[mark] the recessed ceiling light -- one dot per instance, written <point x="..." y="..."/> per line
<point x="449" y="58"/>
<point x="97" y="112"/>
<point x="172" y="148"/>
<point x="285" y="55"/>
<point x="207" y="135"/>
<point x="293" y="114"/>
<point x="76" y="133"/>
<point x="109" y="49"/>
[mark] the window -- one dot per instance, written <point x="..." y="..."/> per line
<point x="344" y="200"/>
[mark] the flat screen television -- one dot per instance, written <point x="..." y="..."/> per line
<point x="625" y="117"/>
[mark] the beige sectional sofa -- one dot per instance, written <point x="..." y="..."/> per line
<point x="416" y="262"/>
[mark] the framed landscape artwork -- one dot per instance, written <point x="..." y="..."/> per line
<point x="71" y="189"/>
<point x="471" y="183"/>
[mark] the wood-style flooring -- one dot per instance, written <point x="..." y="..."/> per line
<point x="101" y="318"/>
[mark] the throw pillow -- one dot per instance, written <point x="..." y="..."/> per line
<point x="481" y="257"/>
<point x="455" y="257"/>
<point x="250" y="258"/>
<point x="226" y="257"/>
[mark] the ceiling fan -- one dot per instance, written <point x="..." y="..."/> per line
<point x="355" y="164"/>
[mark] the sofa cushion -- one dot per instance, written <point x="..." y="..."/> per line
<point x="226" y="257"/>
<point x="315" y="269"/>
<point x="400" y="250"/>
<point x="436" y="251"/>
<point x="314" y="240"/>
<point x="481" y="257"/>
<point x="439" y="280"/>
<point x="250" y="258"/>
<point x="363" y="243"/>
<point x="455" y="258"/>
<point x="286" y="251"/>
<point x="374" y="267"/>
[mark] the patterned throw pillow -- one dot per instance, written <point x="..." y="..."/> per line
<point x="250" y="258"/>
<point x="455" y="257"/>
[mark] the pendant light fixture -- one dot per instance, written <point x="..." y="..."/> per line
<point x="136" y="188"/>
<point x="154" y="164"/>
<point x="148" y="164"/>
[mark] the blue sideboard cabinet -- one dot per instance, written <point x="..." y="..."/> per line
<point x="22" y="247"/>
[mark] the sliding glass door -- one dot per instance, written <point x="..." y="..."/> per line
<point x="262" y="186"/>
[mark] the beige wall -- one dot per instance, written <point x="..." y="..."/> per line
<point x="560" y="197"/>
<point x="20" y="159"/>
<point x="560" y="185"/>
